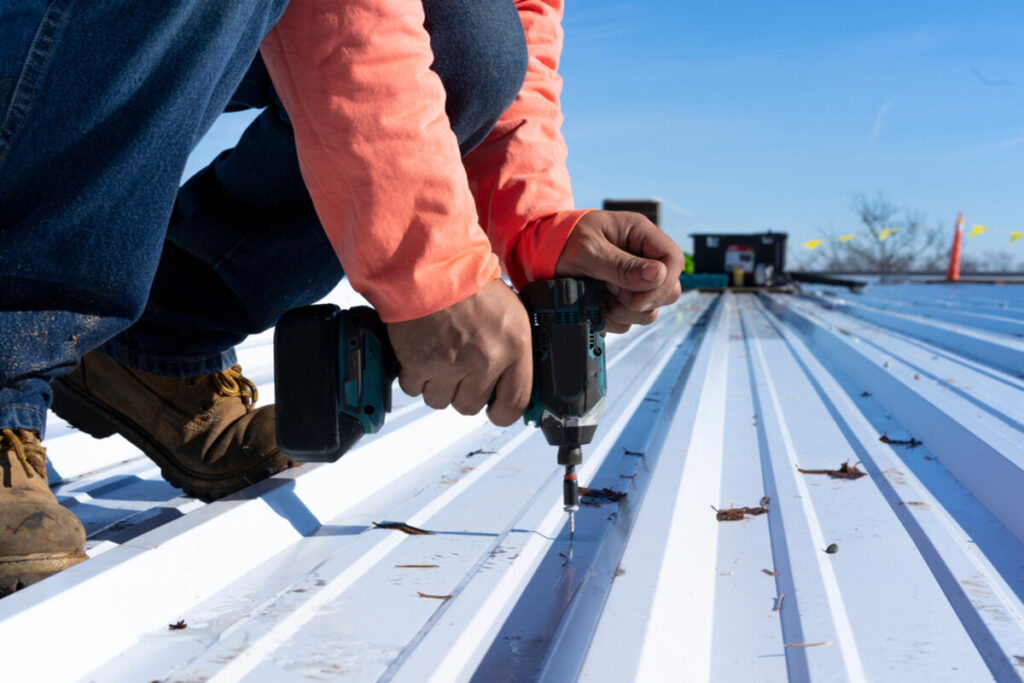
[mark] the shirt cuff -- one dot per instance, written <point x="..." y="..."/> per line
<point x="540" y="245"/>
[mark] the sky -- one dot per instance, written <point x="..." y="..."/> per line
<point x="746" y="116"/>
<point x="749" y="116"/>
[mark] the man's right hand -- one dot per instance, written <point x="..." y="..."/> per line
<point x="463" y="354"/>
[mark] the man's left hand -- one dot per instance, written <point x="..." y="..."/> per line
<point x="639" y="264"/>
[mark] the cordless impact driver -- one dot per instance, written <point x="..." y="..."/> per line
<point x="334" y="369"/>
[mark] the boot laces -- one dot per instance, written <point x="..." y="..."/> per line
<point x="32" y="456"/>
<point x="231" y="383"/>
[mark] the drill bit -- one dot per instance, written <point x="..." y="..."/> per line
<point x="571" y="497"/>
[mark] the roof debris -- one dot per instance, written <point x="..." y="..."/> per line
<point x="597" y="497"/>
<point x="736" y="514"/>
<point x="177" y="626"/>
<point x="436" y="597"/>
<point x="845" y="471"/>
<point x="912" y="442"/>
<point x="824" y="642"/>
<point x="403" y="527"/>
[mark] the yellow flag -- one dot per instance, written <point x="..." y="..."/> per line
<point x="885" y="234"/>
<point x="977" y="230"/>
<point x="847" y="238"/>
<point x="1014" y="236"/>
<point x="811" y="244"/>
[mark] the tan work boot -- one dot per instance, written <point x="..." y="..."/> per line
<point x="203" y="431"/>
<point x="38" y="535"/>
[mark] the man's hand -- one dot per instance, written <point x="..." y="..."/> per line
<point x="459" y="356"/>
<point x="638" y="262"/>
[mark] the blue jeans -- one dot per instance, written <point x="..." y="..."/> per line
<point x="100" y="105"/>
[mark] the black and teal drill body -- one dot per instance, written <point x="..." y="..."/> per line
<point x="567" y="319"/>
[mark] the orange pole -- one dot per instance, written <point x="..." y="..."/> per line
<point x="953" y="271"/>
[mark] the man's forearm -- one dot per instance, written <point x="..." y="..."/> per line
<point x="518" y="174"/>
<point x="377" y="153"/>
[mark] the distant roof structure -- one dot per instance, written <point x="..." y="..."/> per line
<point x="817" y="487"/>
<point x="650" y="207"/>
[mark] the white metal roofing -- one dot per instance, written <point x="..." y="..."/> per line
<point x="715" y="406"/>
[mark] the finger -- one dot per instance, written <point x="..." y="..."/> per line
<point x="648" y="301"/>
<point x="622" y="269"/>
<point x="411" y="382"/>
<point x="473" y="393"/>
<point x="512" y="393"/>
<point x="620" y="313"/>
<point x="616" y="327"/>
<point x="648" y="240"/>
<point x="438" y="393"/>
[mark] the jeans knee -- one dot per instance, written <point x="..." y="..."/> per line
<point x="480" y="55"/>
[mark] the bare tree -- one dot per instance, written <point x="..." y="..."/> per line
<point x="890" y="240"/>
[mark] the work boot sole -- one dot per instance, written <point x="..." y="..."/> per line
<point x="26" y="570"/>
<point x="89" y="416"/>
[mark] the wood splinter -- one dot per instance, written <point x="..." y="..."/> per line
<point x="436" y="597"/>
<point x="824" y="642"/>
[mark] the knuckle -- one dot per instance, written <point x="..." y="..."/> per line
<point x="489" y="352"/>
<point x="408" y="386"/>
<point x="500" y="418"/>
<point x="466" y="408"/>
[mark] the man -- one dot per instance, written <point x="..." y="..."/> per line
<point x="415" y="143"/>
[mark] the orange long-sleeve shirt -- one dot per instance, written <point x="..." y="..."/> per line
<point x="417" y="228"/>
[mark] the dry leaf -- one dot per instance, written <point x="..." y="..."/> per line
<point x="736" y="514"/>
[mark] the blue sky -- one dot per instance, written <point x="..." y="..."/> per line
<point x="748" y="116"/>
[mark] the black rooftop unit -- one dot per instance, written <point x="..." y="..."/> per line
<point x="650" y="208"/>
<point x="761" y="256"/>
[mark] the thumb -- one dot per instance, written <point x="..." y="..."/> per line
<point x="627" y="271"/>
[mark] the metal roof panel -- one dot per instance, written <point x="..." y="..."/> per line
<point x="719" y="405"/>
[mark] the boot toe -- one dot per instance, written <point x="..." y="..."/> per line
<point x="32" y="528"/>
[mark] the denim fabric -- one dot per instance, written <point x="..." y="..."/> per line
<point x="101" y="104"/>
